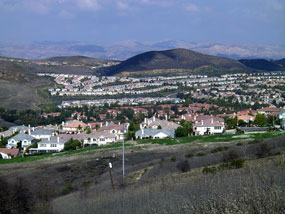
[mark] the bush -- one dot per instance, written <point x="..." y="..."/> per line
<point x="189" y="155"/>
<point x="219" y="149"/>
<point x="234" y="164"/>
<point x="263" y="150"/>
<point x="255" y="141"/>
<point x="173" y="159"/>
<point x="184" y="166"/>
<point x="211" y="170"/>
<point x="67" y="188"/>
<point x="231" y="155"/>
<point x="72" y="145"/>
<point x="201" y="154"/>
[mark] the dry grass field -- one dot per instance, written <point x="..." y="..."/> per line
<point x="160" y="178"/>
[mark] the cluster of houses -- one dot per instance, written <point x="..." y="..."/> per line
<point x="50" y="139"/>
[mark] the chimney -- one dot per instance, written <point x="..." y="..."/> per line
<point x="29" y="131"/>
<point x="212" y="120"/>
<point x="183" y="117"/>
<point x="58" y="139"/>
<point x="101" y="125"/>
<point x="145" y="120"/>
<point x="202" y="122"/>
<point x="142" y="131"/>
<point x="119" y="123"/>
<point x="153" y="118"/>
<point x="29" y="126"/>
<point x="33" y="128"/>
<point x="48" y="138"/>
<point x="166" y="117"/>
<point x="107" y="123"/>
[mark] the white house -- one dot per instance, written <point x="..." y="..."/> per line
<point x="73" y="126"/>
<point x="155" y="133"/>
<point x="24" y="140"/>
<point x="118" y="129"/>
<point x="208" y="125"/>
<point x="281" y="116"/>
<point x="50" y="145"/>
<point x="99" y="138"/>
<point x="20" y="129"/>
<point x="40" y="133"/>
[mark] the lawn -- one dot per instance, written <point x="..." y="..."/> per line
<point x="61" y="154"/>
<point x="212" y="138"/>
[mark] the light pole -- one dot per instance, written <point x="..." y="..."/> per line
<point x="123" y="154"/>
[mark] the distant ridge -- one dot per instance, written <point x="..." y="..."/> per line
<point x="173" y="59"/>
<point x="264" y="65"/>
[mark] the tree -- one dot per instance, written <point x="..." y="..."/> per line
<point x="159" y="127"/>
<point x="181" y="132"/>
<point x="72" y="145"/>
<point x="260" y="120"/>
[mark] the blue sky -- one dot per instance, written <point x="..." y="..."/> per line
<point x="108" y="21"/>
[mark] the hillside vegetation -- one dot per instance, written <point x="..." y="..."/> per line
<point x="264" y="65"/>
<point x="173" y="59"/>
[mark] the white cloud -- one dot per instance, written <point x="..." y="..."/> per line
<point x="122" y="5"/>
<point x="192" y="8"/>
<point x="88" y="4"/>
<point x="66" y="15"/>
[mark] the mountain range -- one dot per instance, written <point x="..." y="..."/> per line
<point x="126" y="49"/>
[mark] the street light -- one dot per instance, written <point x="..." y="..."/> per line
<point x="123" y="158"/>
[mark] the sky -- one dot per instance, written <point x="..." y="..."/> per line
<point x="109" y="21"/>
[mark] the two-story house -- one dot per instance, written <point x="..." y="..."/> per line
<point x="20" y="140"/>
<point x="208" y="125"/>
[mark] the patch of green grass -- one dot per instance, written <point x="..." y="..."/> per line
<point x="212" y="138"/>
<point x="61" y="154"/>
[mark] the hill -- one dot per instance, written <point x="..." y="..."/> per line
<point x="173" y="59"/>
<point x="264" y="65"/>
<point x="82" y="60"/>
<point x="18" y="86"/>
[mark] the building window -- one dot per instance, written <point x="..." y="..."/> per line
<point x="53" y="145"/>
<point x="42" y="145"/>
<point x="102" y="139"/>
<point x="218" y="127"/>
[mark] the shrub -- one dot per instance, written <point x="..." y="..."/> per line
<point x="67" y="188"/>
<point x="173" y="159"/>
<point x="211" y="170"/>
<point x="201" y="154"/>
<point x="72" y="145"/>
<point x="237" y="163"/>
<point x="255" y="141"/>
<point x="231" y="155"/>
<point x="184" y="166"/>
<point x="234" y="164"/>
<point x="219" y="149"/>
<point x="263" y="150"/>
<point x="189" y="155"/>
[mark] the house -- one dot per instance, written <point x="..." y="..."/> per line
<point x="73" y="126"/>
<point x="154" y="123"/>
<point x="118" y="129"/>
<point x="208" y="125"/>
<point x="281" y="116"/>
<point x="6" y="133"/>
<point x="269" y="111"/>
<point x="50" y="145"/>
<point x="99" y="138"/>
<point x="24" y="140"/>
<point x="8" y="153"/>
<point x="40" y="133"/>
<point x="20" y="129"/>
<point x="155" y="133"/>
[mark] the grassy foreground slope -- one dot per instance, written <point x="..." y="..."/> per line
<point x="160" y="178"/>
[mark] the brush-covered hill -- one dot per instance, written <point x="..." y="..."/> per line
<point x="18" y="86"/>
<point x="174" y="59"/>
<point x="264" y="65"/>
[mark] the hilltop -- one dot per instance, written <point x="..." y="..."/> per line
<point x="264" y="65"/>
<point x="175" y="59"/>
